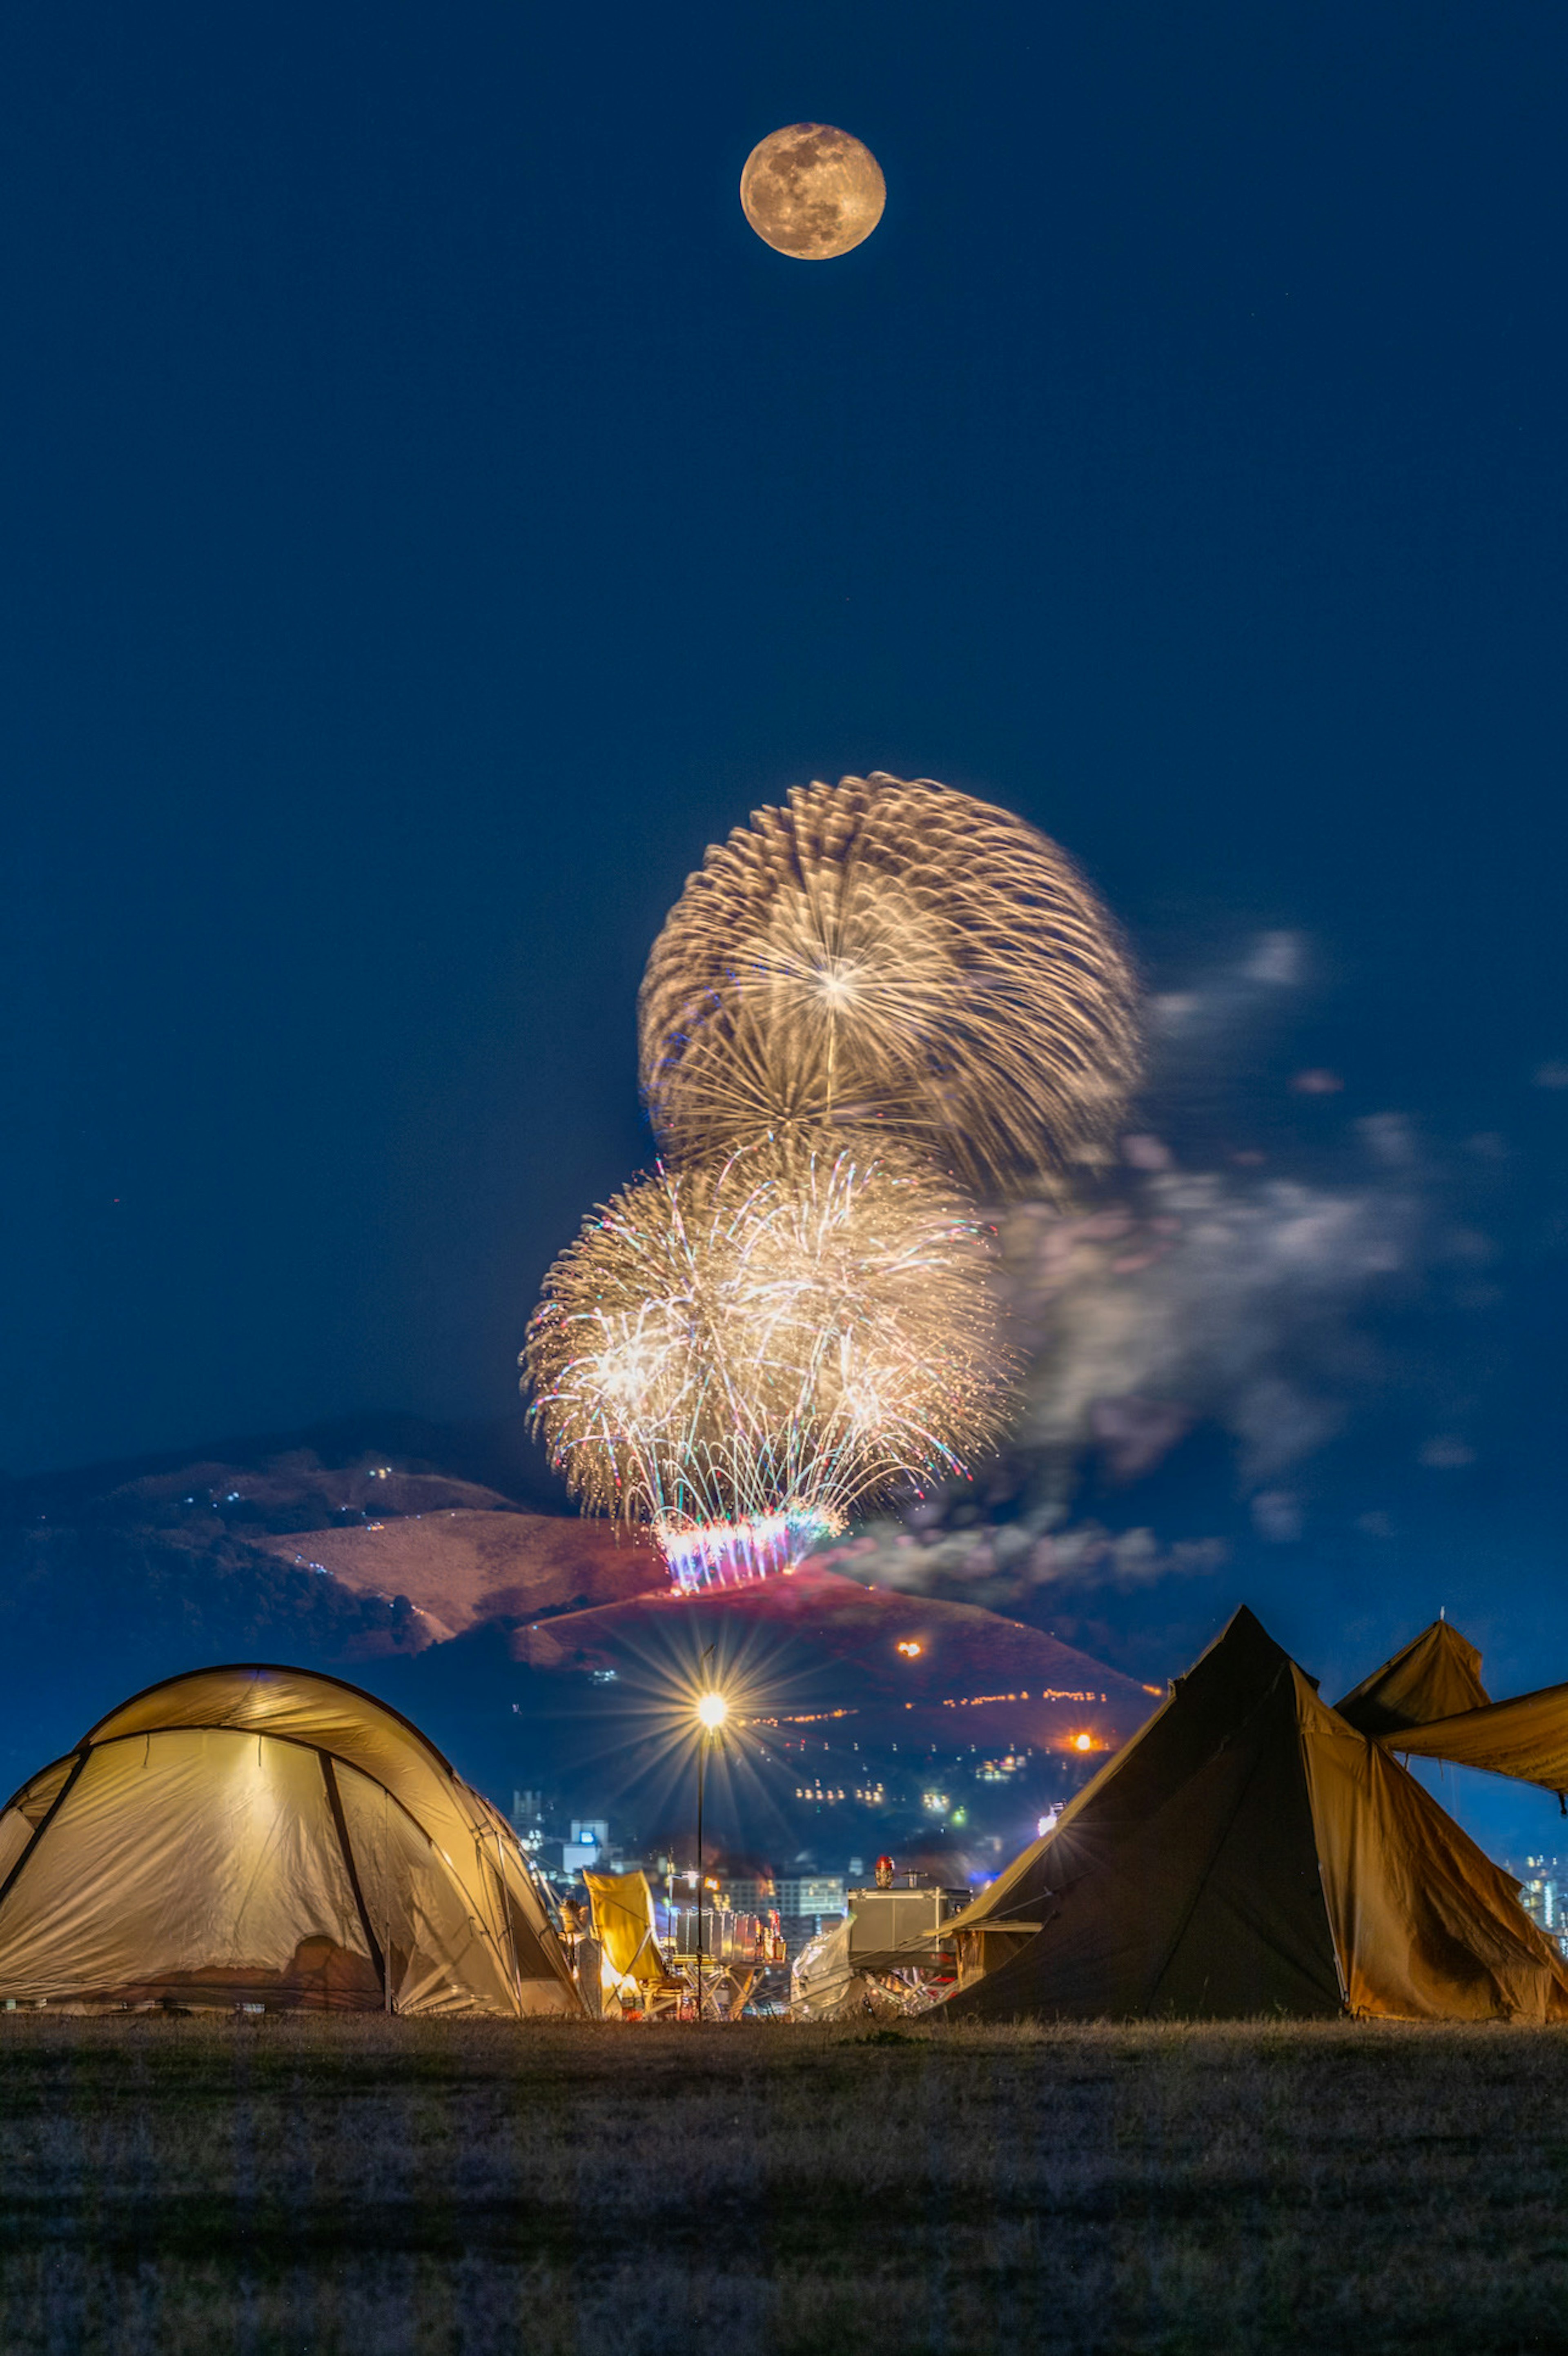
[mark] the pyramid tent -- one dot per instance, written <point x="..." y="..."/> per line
<point x="1250" y="1852"/>
<point x="268" y="1836"/>
<point x="1435" y="1675"/>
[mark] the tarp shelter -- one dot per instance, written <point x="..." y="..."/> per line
<point x="1435" y="1675"/>
<point x="268" y="1836"/>
<point x="1526" y="1737"/>
<point x="1248" y="1852"/>
<point x="1428" y="1702"/>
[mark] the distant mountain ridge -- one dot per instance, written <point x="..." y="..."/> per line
<point x="496" y="1453"/>
<point x="529" y="1643"/>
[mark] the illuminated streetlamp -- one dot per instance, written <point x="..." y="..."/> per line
<point x="713" y="1710"/>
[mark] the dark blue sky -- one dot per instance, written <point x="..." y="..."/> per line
<point x="431" y="516"/>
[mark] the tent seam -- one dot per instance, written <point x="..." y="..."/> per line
<point x="1213" y="1856"/>
<point x="254" y="1669"/>
<point x="340" y="1823"/>
<point x="45" y="1821"/>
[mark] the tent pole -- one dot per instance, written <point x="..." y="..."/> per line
<point x="386" y="1894"/>
<point x="511" y="1926"/>
<point x="45" y="1821"/>
<point x="701" y="1762"/>
<point x="335" y="1802"/>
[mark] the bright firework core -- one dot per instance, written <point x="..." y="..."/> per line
<point x="742" y="1353"/>
<point x="727" y="1553"/>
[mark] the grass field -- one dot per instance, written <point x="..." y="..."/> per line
<point x="364" y="2188"/>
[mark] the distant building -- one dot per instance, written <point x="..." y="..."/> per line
<point x="811" y="1893"/>
<point x="809" y="1903"/>
<point x="589" y="1846"/>
<point x="750" y="1894"/>
<point x="1543" y="1893"/>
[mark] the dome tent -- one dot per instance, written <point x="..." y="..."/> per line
<point x="258" y="1835"/>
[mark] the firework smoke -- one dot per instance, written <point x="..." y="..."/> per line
<point x="897" y="955"/>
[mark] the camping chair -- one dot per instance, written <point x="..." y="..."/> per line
<point x="634" y="1961"/>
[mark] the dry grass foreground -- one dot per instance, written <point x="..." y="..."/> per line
<point x="183" y="2186"/>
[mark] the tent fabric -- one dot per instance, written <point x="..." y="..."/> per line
<point x="824" y="1983"/>
<point x="265" y="1835"/>
<point x="1437" y="1674"/>
<point x="1426" y="1927"/>
<point x="1526" y="1737"/>
<point x="1251" y="1852"/>
<point x="623" y="1924"/>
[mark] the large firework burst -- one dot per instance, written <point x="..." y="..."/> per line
<point x="899" y="955"/>
<point x="740" y="1353"/>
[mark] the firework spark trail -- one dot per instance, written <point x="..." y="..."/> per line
<point x="899" y="955"/>
<point x="741" y="1353"/>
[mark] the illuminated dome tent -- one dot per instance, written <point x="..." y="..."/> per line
<point x="270" y="1836"/>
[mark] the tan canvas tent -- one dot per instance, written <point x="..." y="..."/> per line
<point x="1437" y="1674"/>
<point x="1248" y="1852"/>
<point x="1428" y="1702"/>
<point x="268" y="1836"/>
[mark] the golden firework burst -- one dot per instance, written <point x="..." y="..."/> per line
<point x="900" y="955"/>
<point x="740" y="1353"/>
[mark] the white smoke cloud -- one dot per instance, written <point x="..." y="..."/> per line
<point x="1205" y="1295"/>
<point x="1231" y="1296"/>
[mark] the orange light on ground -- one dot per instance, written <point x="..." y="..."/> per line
<point x="910" y="1650"/>
<point x="1084" y="1742"/>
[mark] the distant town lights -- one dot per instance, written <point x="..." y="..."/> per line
<point x="1084" y="1742"/>
<point x="911" y="1647"/>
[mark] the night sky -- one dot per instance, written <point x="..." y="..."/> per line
<point x="431" y="516"/>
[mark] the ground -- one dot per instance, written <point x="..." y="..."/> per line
<point x="176" y="2186"/>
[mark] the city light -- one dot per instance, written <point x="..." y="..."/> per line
<point x="1084" y="1742"/>
<point x="713" y="1710"/>
<point x="910" y="1649"/>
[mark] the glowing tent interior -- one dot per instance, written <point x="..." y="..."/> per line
<point x="1249" y="1851"/>
<point x="272" y="1837"/>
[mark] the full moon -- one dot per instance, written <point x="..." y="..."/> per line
<point x="811" y="191"/>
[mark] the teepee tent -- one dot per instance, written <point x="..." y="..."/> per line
<point x="268" y="1836"/>
<point x="1250" y="1852"/>
<point x="1437" y="1674"/>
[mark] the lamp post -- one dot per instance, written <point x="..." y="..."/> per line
<point x="713" y="1710"/>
